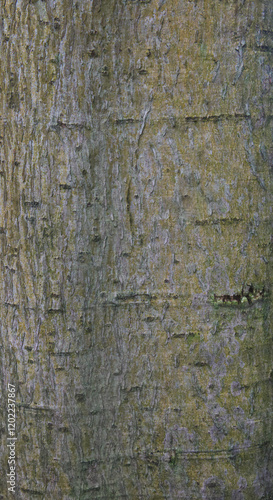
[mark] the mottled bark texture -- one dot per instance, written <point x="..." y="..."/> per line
<point x="136" y="217"/>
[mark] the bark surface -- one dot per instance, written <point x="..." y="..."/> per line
<point x="136" y="248"/>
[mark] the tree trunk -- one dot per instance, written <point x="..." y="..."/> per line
<point x="136" y="219"/>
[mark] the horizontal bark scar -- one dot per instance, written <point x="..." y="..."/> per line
<point x="248" y="294"/>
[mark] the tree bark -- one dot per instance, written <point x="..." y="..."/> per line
<point x="135" y="229"/>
